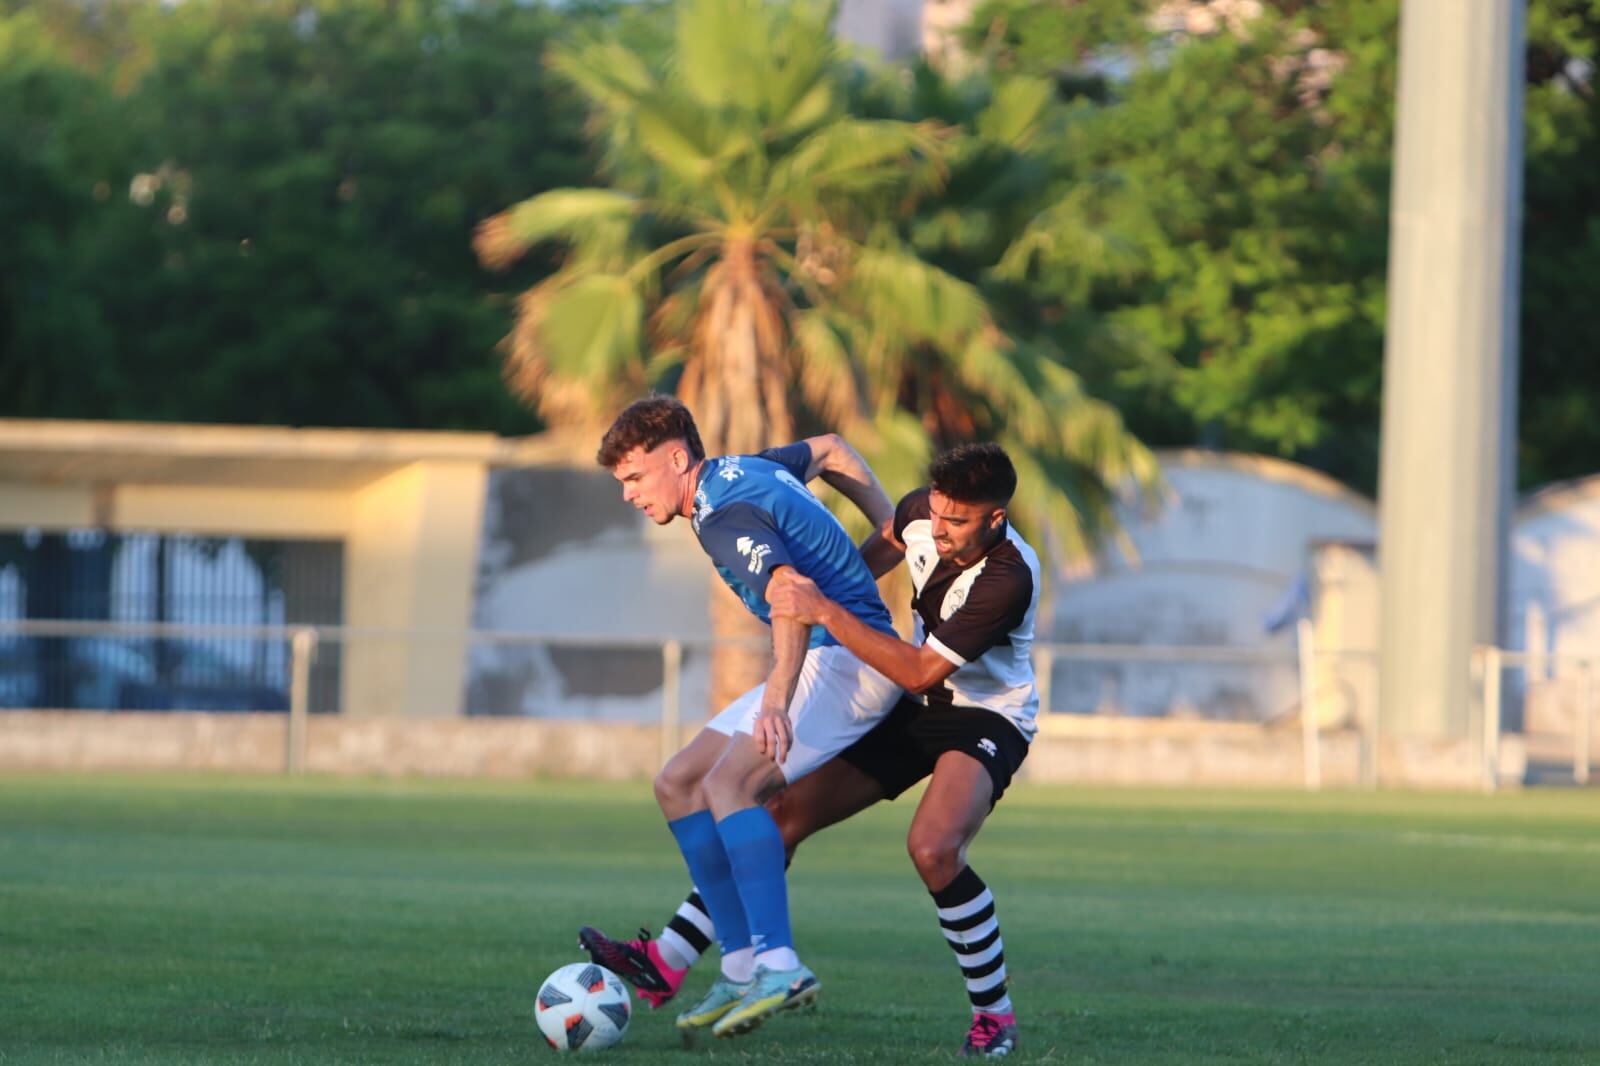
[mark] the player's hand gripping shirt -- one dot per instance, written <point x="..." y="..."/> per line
<point x="980" y="618"/>
<point x="753" y="513"/>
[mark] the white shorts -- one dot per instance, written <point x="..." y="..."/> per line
<point x="837" y="701"/>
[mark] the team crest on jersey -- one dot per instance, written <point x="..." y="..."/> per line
<point x="702" y="509"/>
<point x="756" y="553"/>
<point x="953" y="602"/>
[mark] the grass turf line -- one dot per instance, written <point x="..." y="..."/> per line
<point x="261" y="920"/>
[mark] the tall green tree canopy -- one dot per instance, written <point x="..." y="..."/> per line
<point x="748" y="251"/>
<point x="1231" y="160"/>
<point x="277" y="229"/>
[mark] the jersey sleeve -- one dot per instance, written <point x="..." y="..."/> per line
<point x="912" y="506"/>
<point x="997" y="604"/>
<point x="795" y="458"/>
<point x="744" y="540"/>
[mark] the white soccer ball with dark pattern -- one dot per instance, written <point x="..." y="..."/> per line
<point x="582" y="1007"/>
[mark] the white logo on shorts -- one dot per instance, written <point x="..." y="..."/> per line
<point x="987" y="747"/>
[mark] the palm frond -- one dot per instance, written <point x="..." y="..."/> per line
<point x="1016" y="111"/>
<point x="720" y="48"/>
<point x="902" y="292"/>
<point x="611" y="75"/>
<point x="826" y="375"/>
<point x="576" y="345"/>
<point x="852" y="156"/>
<point x="597" y="220"/>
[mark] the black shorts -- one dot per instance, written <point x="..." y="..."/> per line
<point x="903" y="748"/>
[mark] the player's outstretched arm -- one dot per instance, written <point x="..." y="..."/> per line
<point x="916" y="669"/>
<point x="834" y="461"/>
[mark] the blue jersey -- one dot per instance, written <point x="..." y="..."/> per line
<point x="753" y="513"/>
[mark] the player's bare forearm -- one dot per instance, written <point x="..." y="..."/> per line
<point x="772" y="730"/>
<point x="790" y="639"/>
<point x="913" y="668"/>
<point x="841" y="466"/>
<point x="881" y="551"/>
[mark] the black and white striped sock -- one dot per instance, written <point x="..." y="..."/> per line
<point x="966" y="915"/>
<point x="688" y="935"/>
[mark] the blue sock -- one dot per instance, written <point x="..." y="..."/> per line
<point x="701" y="845"/>
<point x="755" y="850"/>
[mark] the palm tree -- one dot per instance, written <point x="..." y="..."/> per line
<point x="748" y="252"/>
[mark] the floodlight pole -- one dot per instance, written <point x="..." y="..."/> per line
<point x="1450" y="357"/>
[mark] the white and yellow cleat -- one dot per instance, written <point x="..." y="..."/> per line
<point x="769" y="991"/>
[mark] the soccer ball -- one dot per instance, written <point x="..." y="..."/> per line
<point x="582" y="1007"/>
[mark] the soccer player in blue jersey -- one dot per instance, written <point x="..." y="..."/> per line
<point x="763" y="530"/>
<point x="966" y="723"/>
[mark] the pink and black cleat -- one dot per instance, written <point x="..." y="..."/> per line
<point x="992" y="1036"/>
<point x="637" y="962"/>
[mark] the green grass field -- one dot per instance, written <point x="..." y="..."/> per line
<point x="220" y="919"/>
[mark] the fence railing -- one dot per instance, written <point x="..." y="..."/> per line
<point x="305" y="669"/>
<point x="1490" y="666"/>
<point x="313" y="668"/>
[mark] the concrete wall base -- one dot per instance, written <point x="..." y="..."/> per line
<point x="1069" y="749"/>
<point x="1073" y="749"/>
<point x="254" y="743"/>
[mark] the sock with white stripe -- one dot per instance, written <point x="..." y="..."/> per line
<point x="688" y="935"/>
<point x="967" y="918"/>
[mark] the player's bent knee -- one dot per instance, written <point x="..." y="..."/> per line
<point x="937" y="858"/>
<point x="736" y="783"/>
<point x="728" y="789"/>
<point x="677" y="789"/>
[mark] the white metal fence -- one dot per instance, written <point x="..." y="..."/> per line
<point x="315" y="669"/>
<point x="1494" y="667"/>
<point x="306" y="670"/>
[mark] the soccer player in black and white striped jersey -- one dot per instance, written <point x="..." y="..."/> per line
<point x="968" y="720"/>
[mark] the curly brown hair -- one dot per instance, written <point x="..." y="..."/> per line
<point x="646" y="424"/>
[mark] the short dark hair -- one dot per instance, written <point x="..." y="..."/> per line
<point x="974" y="473"/>
<point x="646" y="424"/>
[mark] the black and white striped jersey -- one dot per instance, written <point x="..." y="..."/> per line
<point x="980" y="618"/>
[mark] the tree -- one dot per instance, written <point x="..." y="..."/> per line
<point x="280" y="215"/>
<point x="58" y="126"/>
<point x="746" y="252"/>
<point x="1230" y="162"/>
<point x="1236" y="152"/>
<point x="1559" y="423"/>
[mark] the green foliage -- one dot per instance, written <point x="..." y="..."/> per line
<point x="279" y="217"/>
<point x="269" y="202"/>
<point x="56" y="126"/>
<point x="1213" y="247"/>
<point x="755" y="213"/>
<point x="1210" y="240"/>
<point x="1560" y="399"/>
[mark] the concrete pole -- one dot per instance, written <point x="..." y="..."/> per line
<point x="1450" y="359"/>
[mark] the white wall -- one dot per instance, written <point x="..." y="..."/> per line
<point x="564" y="556"/>
<point x="1210" y="569"/>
